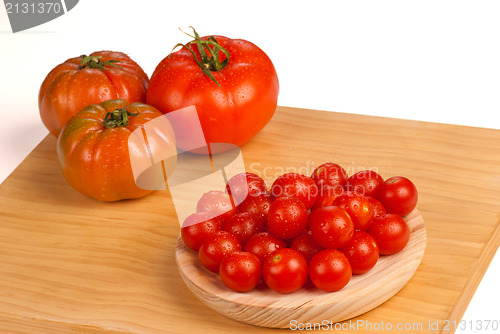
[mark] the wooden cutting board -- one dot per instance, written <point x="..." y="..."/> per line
<point x="72" y="264"/>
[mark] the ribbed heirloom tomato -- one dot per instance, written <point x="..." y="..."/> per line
<point x="232" y="83"/>
<point x="93" y="149"/>
<point x="85" y="80"/>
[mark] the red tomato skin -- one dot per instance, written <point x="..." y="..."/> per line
<point x="377" y="206"/>
<point x="358" y="207"/>
<point x="327" y="195"/>
<point x="240" y="271"/>
<point x="96" y="161"/>
<point x="197" y="227"/>
<point x="285" y="270"/>
<point x="306" y="245"/>
<point x="362" y="252"/>
<point x="68" y="89"/>
<point x="218" y="203"/>
<point x="262" y="244"/>
<point x="329" y="174"/>
<point x="398" y="195"/>
<point x="232" y="113"/>
<point x="244" y="225"/>
<point x="257" y="205"/>
<point x="331" y="226"/>
<point x="242" y="185"/>
<point x="295" y="185"/>
<point x="365" y="182"/>
<point x="215" y="247"/>
<point x="287" y="218"/>
<point x="329" y="270"/>
<point x="391" y="233"/>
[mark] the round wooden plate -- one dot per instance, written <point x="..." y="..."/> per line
<point x="264" y="307"/>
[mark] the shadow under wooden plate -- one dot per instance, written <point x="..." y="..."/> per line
<point x="264" y="307"/>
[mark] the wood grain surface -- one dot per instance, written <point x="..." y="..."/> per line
<point x="264" y="307"/>
<point x="72" y="264"/>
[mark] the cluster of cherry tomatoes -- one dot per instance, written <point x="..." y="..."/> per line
<point x="325" y="227"/>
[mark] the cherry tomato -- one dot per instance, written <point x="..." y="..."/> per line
<point x="362" y="252"/>
<point x="197" y="227"/>
<point x="331" y="226"/>
<point x="365" y="183"/>
<point x="285" y="270"/>
<point x="235" y="94"/>
<point x="358" y="207"/>
<point x="377" y="206"/>
<point x="398" y="195"/>
<point x="328" y="194"/>
<point x="287" y="217"/>
<point x="217" y="203"/>
<point x="329" y="174"/>
<point x="262" y="244"/>
<point x="258" y="205"/>
<point x="215" y="247"/>
<point x="391" y="233"/>
<point x="295" y="185"/>
<point x="240" y="271"/>
<point x="329" y="270"/>
<point x="244" y="225"/>
<point x="245" y="184"/>
<point x="306" y="245"/>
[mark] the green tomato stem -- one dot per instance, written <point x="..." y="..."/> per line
<point x="95" y="62"/>
<point x="207" y="64"/>
<point x="117" y="118"/>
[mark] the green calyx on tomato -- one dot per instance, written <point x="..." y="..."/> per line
<point x="95" y="62"/>
<point x="117" y="118"/>
<point x="208" y="63"/>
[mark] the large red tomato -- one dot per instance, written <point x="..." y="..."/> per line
<point x="85" y="80"/>
<point x="93" y="149"/>
<point x="235" y="92"/>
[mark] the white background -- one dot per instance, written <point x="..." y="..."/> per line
<point x="424" y="60"/>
